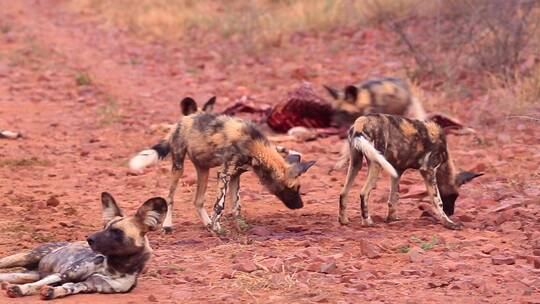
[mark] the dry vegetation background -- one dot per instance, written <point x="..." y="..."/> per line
<point x="490" y="46"/>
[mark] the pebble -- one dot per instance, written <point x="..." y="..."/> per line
<point x="503" y="260"/>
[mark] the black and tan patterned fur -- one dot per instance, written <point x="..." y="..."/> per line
<point x="108" y="262"/>
<point x="396" y="144"/>
<point x="386" y="95"/>
<point x="234" y="146"/>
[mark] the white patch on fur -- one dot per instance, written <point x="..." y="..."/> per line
<point x="362" y="144"/>
<point x="143" y="159"/>
<point x="152" y="219"/>
<point x="108" y="214"/>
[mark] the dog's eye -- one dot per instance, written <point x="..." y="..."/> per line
<point x="117" y="233"/>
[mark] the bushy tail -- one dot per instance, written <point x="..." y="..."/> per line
<point x="416" y="109"/>
<point x="362" y="144"/>
<point x="151" y="156"/>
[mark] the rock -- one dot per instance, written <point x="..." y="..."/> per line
<point x="328" y="267"/>
<point x="370" y="250"/>
<point x="53" y="202"/>
<point x="152" y="298"/>
<point x="536" y="252"/>
<point x="415" y="256"/>
<point x="487" y="249"/>
<point x="260" y="231"/>
<point x="228" y="275"/>
<point x="503" y="260"/>
<point x="466" y="218"/>
<point x="409" y="272"/>
<point x="245" y="266"/>
<point x="536" y="262"/>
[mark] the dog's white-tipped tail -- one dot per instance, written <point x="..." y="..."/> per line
<point x="362" y="144"/>
<point x="417" y="110"/>
<point x="143" y="159"/>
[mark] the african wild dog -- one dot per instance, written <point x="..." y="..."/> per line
<point x="236" y="146"/>
<point x="397" y="144"/>
<point x="386" y="95"/>
<point x="108" y="262"/>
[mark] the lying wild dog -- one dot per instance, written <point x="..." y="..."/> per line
<point x="386" y="95"/>
<point x="236" y="146"/>
<point x="396" y="144"/>
<point x="108" y="262"/>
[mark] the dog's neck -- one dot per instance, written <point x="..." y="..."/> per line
<point x="269" y="165"/>
<point x="131" y="264"/>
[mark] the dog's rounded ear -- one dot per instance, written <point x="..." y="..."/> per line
<point x="351" y="93"/>
<point x="332" y="91"/>
<point x="209" y="105"/>
<point x="465" y="176"/>
<point x="151" y="213"/>
<point x="188" y="106"/>
<point x="301" y="167"/>
<point x="110" y="209"/>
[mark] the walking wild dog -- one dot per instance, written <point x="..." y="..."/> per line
<point x="386" y="95"/>
<point x="396" y="144"/>
<point x="236" y="146"/>
<point x="108" y="262"/>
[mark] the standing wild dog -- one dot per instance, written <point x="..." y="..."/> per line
<point x="108" y="262"/>
<point x="396" y="144"/>
<point x="235" y="146"/>
<point x="386" y="95"/>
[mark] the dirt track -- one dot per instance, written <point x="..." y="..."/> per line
<point x="78" y="139"/>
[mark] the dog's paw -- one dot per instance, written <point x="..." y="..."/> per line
<point x="167" y="230"/>
<point x="343" y="220"/>
<point x="46" y="293"/>
<point x="14" y="291"/>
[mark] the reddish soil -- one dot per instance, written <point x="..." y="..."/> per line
<point x="78" y="139"/>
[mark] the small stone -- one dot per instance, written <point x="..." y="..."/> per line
<point x="53" y="202"/>
<point x="260" y="231"/>
<point x="536" y="262"/>
<point x="245" y="266"/>
<point x="328" y="267"/>
<point x="409" y="272"/>
<point x="466" y="218"/>
<point x="487" y="249"/>
<point x="152" y="298"/>
<point x="503" y="260"/>
<point x="369" y="250"/>
<point x="228" y="275"/>
<point x="415" y="256"/>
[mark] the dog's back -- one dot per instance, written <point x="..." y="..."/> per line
<point x="404" y="142"/>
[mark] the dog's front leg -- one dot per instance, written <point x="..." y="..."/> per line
<point x="223" y="183"/>
<point x="430" y="179"/>
<point x="96" y="283"/>
<point x="14" y="291"/>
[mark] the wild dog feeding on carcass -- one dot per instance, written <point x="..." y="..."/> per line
<point x="108" y="262"/>
<point x="396" y="144"/>
<point x="388" y="95"/>
<point x="236" y="146"/>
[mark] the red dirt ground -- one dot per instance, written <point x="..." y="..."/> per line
<point x="78" y="139"/>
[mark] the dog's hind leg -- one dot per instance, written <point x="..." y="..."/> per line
<point x="14" y="290"/>
<point x="177" y="171"/>
<point x="373" y="173"/>
<point x="94" y="283"/>
<point x="393" y="200"/>
<point x="18" y="278"/>
<point x="31" y="258"/>
<point x="355" y="165"/>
